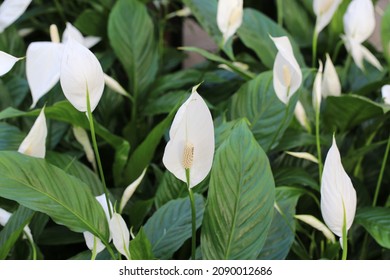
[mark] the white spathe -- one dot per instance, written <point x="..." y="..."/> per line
<point x="229" y="17"/>
<point x="43" y="61"/>
<point x="317" y="88"/>
<point x="82" y="137"/>
<point x="192" y="126"/>
<point x="331" y="85"/>
<point x="129" y="191"/>
<point x="324" y="10"/>
<point x="317" y="224"/>
<point x="300" y="115"/>
<point x="120" y="235"/>
<point x="359" y="24"/>
<point x="337" y="193"/>
<point x="287" y="76"/>
<point x="81" y="73"/>
<point x="10" y="11"/>
<point x="303" y="155"/>
<point x="35" y="142"/>
<point x="7" y="61"/>
<point x="386" y="94"/>
<point x="72" y="32"/>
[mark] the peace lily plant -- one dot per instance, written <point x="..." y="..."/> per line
<point x="100" y="163"/>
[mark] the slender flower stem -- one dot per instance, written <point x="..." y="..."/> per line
<point x="279" y="4"/>
<point x="336" y="51"/>
<point x="93" y="257"/>
<point x="193" y="214"/>
<point x="33" y="248"/>
<point x="95" y="147"/>
<point x="378" y="185"/>
<point x="314" y="50"/>
<point x="344" y="235"/>
<point x="318" y="142"/>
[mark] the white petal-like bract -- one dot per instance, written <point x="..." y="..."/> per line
<point x="324" y="10"/>
<point x="43" y="60"/>
<point x="317" y="224"/>
<point x="120" y="235"/>
<point x="82" y="137"/>
<point x="81" y="73"/>
<point x="330" y="81"/>
<point x="386" y="94"/>
<point x="360" y="53"/>
<point x="191" y="143"/>
<point x="10" y="11"/>
<point x="129" y="191"/>
<point x="337" y="193"/>
<point x="75" y="34"/>
<point x="287" y="76"/>
<point x="317" y="88"/>
<point x="301" y="116"/>
<point x="7" y="61"/>
<point x="303" y="155"/>
<point x="229" y="17"/>
<point x="35" y="142"/>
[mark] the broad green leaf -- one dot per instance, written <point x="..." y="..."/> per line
<point x="385" y="34"/>
<point x="140" y="247"/>
<point x="281" y="234"/>
<point x="144" y="153"/>
<point x="205" y="11"/>
<point x="42" y="187"/>
<point x="240" y="199"/>
<point x="255" y="33"/>
<point x="346" y="111"/>
<point x="13" y="229"/>
<point x="91" y="22"/>
<point x="293" y="176"/>
<point x="73" y="167"/>
<point x="63" y="111"/>
<point x="215" y="58"/>
<point x="132" y="36"/>
<point x="300" y="27"/>
<point x="10" y="137"/>
<point x="293" y="138"/>
<point x="169" y="188"/>
<point x="376" y="221"/>
<point x="256" y="100"/>
<point x="59" y="235"/>
<point x="170" y="226"/>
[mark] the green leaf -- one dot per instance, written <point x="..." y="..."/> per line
<point x="169" y="188"/>
<point x="256" y="100"/>
<point x="292" y="176"/>
<point x="240" y="199"/>
<point x="140" y="247"/>
<point x="91" y="22"/>
<point x="385" y="34"/>
<point x="35" y="184"/>
<point x="347" y="111"/>
<point x="170" y="226"/>
<point x="10" y="137"/>
<point x="131" y="33"/>
<point x="59" y="235"/>
<point x="13" y="229"/>
<point x="376" y="221"/>
<point x="282" y="231"/>
<point x="255" y="33"/>
<point x="63" y="111"/>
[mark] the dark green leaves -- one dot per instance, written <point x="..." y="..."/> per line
<point x="40" y="186"/>
<point x="240" y="199"/>
<point x="131" y="34"/>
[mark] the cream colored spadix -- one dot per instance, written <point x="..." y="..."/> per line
<point x="191" y="143"/>
<point x="359" y="24"/>
<point x="35" y="142"/>
<point x="287" y="76"/>
<point x="229" y="17"/>
<point x="7" y="61"/>
<point x="120" y="235"/>
<point x="338" y="196"/>
<point x="386" y="94"/>
<point x="10" y="11"/>
<point x="324" y="11"/>
<point x="80" y="74"/>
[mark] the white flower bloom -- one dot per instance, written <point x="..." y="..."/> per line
<point x="386" y="94"/>
<point x="317" y="224"/>
<point x="80" y="74"/>
<point x="303" y="155"/>
<point x="114" y="85"/>
<point x="191" y="143"/>
<point x="10" y="11"/>
<point x="82" y="137"/>
<point x="300" y="115"/>
<point x="330" y="82"/>
<point x="73" y="32"/>
<point x="338" y="197"/>
<point x="229" y="17"/>
<point x="35" y="142"/>
<point x="324" y="10"/>
<point x="359" y="24"/>
<point x="129" y="191"/>
<point x="120" y="235"/>
<point x="317" y="87"/>
<point x="287" y="76"/>
<point x="7" y="61"/>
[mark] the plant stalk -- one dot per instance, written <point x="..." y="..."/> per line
<point x="314" y="49"/>
<point x="193" y="215"/>
<point x="378" y="185"/>
<point x="318" y="143"/>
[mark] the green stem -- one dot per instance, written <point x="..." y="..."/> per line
<point x="346" y="70"/>
<point x="95" y="147"/>
<point x="94" y="253"/>
<point x="336" y="51"/>
<point x="318" y="142"/>
<point x="279" y="8"/>
<point x="378" y="185"/>
<point x="33" y="248"/>
<point x="193" y="214"/>
<point x="344" y="235"/>
<point x="314" y="50"/>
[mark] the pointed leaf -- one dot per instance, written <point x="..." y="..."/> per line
<point x="240" y="199"/>
<point x="141" y="248"/>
